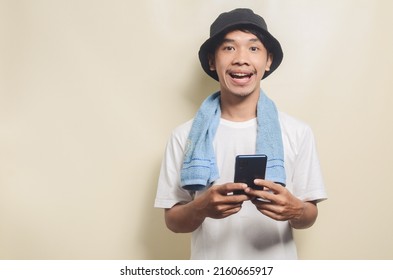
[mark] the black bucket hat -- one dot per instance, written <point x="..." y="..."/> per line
<point x="239" y="19"/>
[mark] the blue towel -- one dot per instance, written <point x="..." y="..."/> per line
<point x="199" y="165"/>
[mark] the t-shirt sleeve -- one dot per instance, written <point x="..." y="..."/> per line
<point x="169" y="191"/>
<point x="307" y="177"/>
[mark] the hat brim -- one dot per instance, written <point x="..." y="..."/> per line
<point x="272" y="45"/>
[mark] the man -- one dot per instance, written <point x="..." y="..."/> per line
<point x="196" y="186"/>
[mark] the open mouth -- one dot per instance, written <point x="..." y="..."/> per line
<point x="240" y="75"/>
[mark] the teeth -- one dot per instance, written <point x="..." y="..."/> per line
<point x="240" y="75"/>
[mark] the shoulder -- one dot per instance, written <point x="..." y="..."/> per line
<point x="182" y="130"/>
<point x="292" y="125"/>
<point x="291" y="121"/>
<point x="295" y="133"/>
<point x="180" y="134"/>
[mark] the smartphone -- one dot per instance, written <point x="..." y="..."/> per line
<point x="248" y="168"/>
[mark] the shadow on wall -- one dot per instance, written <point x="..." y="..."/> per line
<point x="202" y="86"/>
<point x="159" y="242"/>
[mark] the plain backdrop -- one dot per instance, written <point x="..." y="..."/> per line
<point x="90" y="91"/>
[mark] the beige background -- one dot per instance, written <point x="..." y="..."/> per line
<point x="90" y="90"/>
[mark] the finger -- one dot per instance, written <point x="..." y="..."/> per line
<point x="228" y="210"/>
<point x="262" y="203"/>
<point x="258" y="194"/>
<point x="276" y="188"/>
<point x="272" y="215"/>
<point x="232" y="187"/>
<point x="269" y="210"/>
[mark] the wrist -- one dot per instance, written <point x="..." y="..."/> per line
<point x="296" y="221"/>
<point x="306" y="217"/>
<point x="197" y="210"/>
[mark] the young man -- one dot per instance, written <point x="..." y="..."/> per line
<point x="196" y="181"/>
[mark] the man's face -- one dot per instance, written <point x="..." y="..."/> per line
<point x="240" y="62"/>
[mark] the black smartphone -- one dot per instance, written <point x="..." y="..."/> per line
<point x="248" y="168"/>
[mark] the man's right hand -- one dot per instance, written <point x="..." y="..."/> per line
<point x="216" y="202"/>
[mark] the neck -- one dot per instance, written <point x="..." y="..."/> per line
<point x="239" y="108"/>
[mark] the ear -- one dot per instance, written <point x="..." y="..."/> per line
<point x="212" y="64"/>
<point x="269" y="61"/>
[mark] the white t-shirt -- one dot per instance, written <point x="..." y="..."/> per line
<point x="247" y="234"/>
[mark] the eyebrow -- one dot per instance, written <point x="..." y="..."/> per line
<point x="228" y="40"/>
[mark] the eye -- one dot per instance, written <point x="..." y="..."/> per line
<point x="254" y="49"/>
<point x="228" y="48"/>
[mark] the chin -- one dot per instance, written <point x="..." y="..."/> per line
<point x="244" y="92"/>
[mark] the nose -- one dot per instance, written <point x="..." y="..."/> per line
<point x="241" y="57"/>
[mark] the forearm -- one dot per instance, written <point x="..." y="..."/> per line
<point x="183" y="218"/>
<point x="307" y="218"/>
<point x="213" y="203"/>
